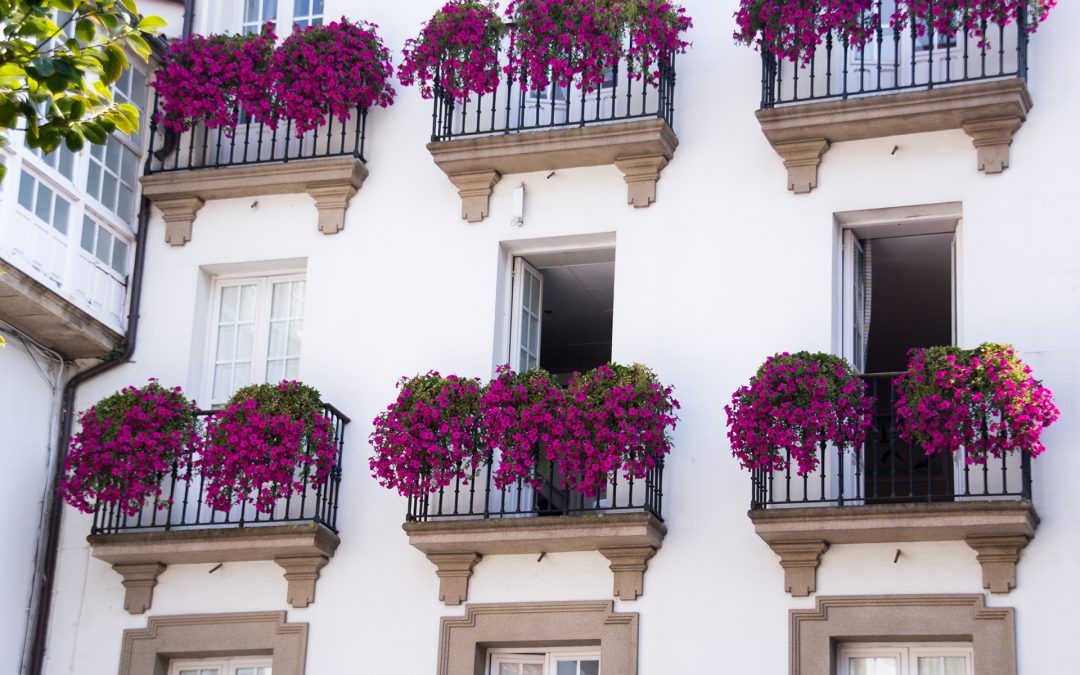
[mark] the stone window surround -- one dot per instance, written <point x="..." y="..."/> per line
<point x="147" y="651"/>
<point x="815" y="633"/>
<point x="989" y="112"/>
<point x="639" y="149"/>
<point x="464" y="640"/>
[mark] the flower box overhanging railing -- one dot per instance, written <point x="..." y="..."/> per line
<point x="477" y="497"/>
<point x="889" y="470"/>
<point x="512" y="107"/>
<point x="253" y="142"/>
<point x="183" y="503"/>
<point x="898" y="58"/>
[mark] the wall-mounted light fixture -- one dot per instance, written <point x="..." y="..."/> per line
<point x="519" y="207"/>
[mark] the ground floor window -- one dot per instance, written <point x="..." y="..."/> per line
<point x="543" y="662"/>
<point x="222" y="666"/>
<point x="905" y="659"/>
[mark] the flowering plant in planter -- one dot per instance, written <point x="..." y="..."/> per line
<point x="616" y="418"/>
<point x="330" y="69"/>
<point x="794" y="404"/>
<point x="269" y="442"/>
<point x="207" y="79"/>
<point x="793" y="29"/>
<point x="562" y="41"/>
<point x="456" y="52"/>
<point x="656" y="28"/>
<point x="128" y="442"/>
<point x="983" y="400"/>
<point x="949" y="17"/>
<point x="428" y="436"/>
<point x="520" y="412"/>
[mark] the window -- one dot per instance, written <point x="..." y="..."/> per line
<point x="544" y="662"/>
<point x="905" y="659"/>
<point x="257" y="327"/>
<point x="561" y="311"/>
<point x="237" y="666"/>
<point x="42" y="201"/>
<point x="107" y="247"/>
<point x="60" y="160"/>
<point x="131" y="88"/>
<point x="307" y="13"/>
<point x="256" y="13"/>
<point x="111" y="176"/>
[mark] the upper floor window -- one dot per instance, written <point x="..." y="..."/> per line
<point x="257" y="326"/>
<point x="60" y="160"/>
<point x="108" y="248"/>
<point x="222" y="666"/>
<point x="904" y="659"/>
<point x="44" y="202"/>
<point x="256" y="13"/>
<point x="111" y="176"/>
<point x="544" y="662"/>
<point x="307" y="13"/>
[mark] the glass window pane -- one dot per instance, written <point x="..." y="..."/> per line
<point x="296" y="305"/>
<point x="222" y="381"/>
<point x="509" y="669"/>
<point x="93" y="179"/>
<point x="241" y="376"/>
<point x="275" y="371"/>
<point x="590" y="668"/>
<point x="277" y="346"/>
<point x="316" y="6"/>
<point x="247" y="303"/>
<point x="43" y="208"/>
<point x="942" y="665"/>
<point x="60" y="215"/>
<point x="26" y="191"/>
<point x="532" y="669"/>
<point x="872" y="665"/>
<point x="566" y="668"/>
<point x="88" y="234"/>
<point x="296" y="330"/>
<point x="113" y="150"/>
<point x="108" y="191"/>
<point x="251" y="11"/>
<point x="269" y="10"/>
<point x="127" y="172"/>
<point x="245" y="341"/>
<point x="123" y="203"/>
<point x="226" y="343"/>
<point x="97" y="151"/>
<point x="66" y="163"/>
<point x="279" y="306"/>
<point x="230" y="302"/>
<point x="119" y="258"/>
<point x="104" y="245"/>
<point x="292" y="372"/>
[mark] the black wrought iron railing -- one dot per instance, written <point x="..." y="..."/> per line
<point x="184" y="506"/>
<point x="475" y="496"/>
<point x="515" y="108"/>
<point x="889" y="470"/>
<point x="253" y="142"/>
<point x="899" y="58"/>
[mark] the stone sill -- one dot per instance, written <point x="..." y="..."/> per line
<point x="331" y="182"/>
<point x="44" y="315"/>
<point x="627" y="540"/>
<point x="996" y="530"/>
<point x="640" y="149"/>
<point x="140" y="557"/>
<point x="989" y="112"/>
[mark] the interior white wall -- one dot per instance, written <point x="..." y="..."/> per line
<point x="724" y="269"/>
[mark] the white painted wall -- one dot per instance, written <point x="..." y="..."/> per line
<point x="726" y="268"/>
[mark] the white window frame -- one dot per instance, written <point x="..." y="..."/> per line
<point x="548" y="658"/>
<point x="224" y="665"/>
<point x="249" y="27"/>
<point x="285" y="17"/>
<point x="310" y="18"/>
<point x="906" y="654"/>
<point x="117" y="234"/>
<point x="264" y="296"/>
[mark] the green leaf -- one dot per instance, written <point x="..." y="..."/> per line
<point x="85" y="30"/>
<point x="152" y="24"/>
<point x="114" y="63"/>
<point x="136" y="42"/>
<point x="43" y="67"/>
<point x="129" y="5"/>
<point x="74" y="141"/>
<point x="93" y="132"/>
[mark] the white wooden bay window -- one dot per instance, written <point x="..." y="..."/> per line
<point x="257" y="326"/>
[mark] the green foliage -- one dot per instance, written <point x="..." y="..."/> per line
<point x="799" y="366"/>
<point x="57" y="60"/>
<point x="292" y="399"/>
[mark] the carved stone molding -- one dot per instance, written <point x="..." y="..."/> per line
<point x="147" y="651"/>
<point x="301" y="551"/>
<point x="997" y="530"/>
<point x="989" y="112"/>
<point x="139" y="581"/>
<point x="331" y="181"/>
<point x="475" y="189"/>
<point x="462" y="639"/>
<point x="640" y="149"/>
<point x="627" y="540"/>
<point x="991" y="631"/>
<point x="998" y="556"/>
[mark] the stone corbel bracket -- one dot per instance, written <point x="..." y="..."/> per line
<point x="989" y="112"/>
<point x="639" y="149"/>
<point x="627" y="540"/>
<point x="331" y="181"/>
<point x="140" y="557"/>
<point x="996" y="530"/>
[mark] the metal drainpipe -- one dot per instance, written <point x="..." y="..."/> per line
<point x="54" y="504"/>
<point x="189" y="18"/>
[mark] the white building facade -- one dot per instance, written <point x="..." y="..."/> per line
<point x="677" y="238"/>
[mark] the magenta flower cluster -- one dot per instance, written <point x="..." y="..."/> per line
<point x="656" y="34"/>
<point x="614" y="418"/>
<point x="793" y="405"/>
<point x="317" y="71"/>
<point x="984" y="401"/>
<point x="456" y="53"/>
<point x="127" y="443"/>
<point x="271" y="441"/>
<point x="428" y="436"/>
<point x="949" y="17"/>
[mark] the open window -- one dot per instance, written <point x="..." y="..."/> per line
<point x="898" y="294"/>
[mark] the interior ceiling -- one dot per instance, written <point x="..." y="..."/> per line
<point x="578" y="301"/>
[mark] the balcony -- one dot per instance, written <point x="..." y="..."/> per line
<point x="299" y="533"/>
<point x="900" y="82"/>
<point x="186" y="170"/>
<point x="890" y="491"/>
<point x="470" y="518"/>
<point x="626" y="123"/>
